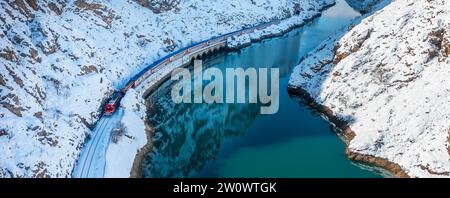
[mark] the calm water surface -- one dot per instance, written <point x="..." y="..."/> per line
<point x="234" y="140"/>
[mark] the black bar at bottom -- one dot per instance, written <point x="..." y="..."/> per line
<point x="225" y="186"/>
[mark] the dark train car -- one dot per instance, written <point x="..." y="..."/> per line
<point x="129" y="86"/>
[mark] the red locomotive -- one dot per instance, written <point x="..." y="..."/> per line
<point x="114" y="102"/>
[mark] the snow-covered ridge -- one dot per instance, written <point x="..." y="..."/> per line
<point x="60" y="59"/>
<point x="388" y="78"/>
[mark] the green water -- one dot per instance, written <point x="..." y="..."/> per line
<point x="234" y="140"/>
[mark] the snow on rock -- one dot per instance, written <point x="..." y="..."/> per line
<point x="60" y="59"/>
<point x="388" y="78"/>
<point x="308" y="11"/>
<point x="122" y="151"/>
<point x="238" y="41"/>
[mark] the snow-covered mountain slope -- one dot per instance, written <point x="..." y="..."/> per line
<point x="389" y="80"/>
<point x="59" y="59"/>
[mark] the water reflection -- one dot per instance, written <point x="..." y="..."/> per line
<point x="234" y="140"/>
<point x="186" y="136"/>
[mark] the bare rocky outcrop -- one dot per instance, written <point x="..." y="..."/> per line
<point x="395" y="169"/>
<point x="3" y="132"/>
<point x="439" y="38"/>
<point x="448" y="140"/>
<point x="101" y="11"/>
<point x="88" y="69"/>
<point x="2" y="80"/>
<point x="136" y="170"/>
<point x="8" y="54"/>
<point x="339" y="55"/>
<point x="55" y="8"/>
<point x="159" y="6"/>
<point x="33" y="4"/>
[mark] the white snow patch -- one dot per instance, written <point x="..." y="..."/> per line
<point x="120" y="156"/>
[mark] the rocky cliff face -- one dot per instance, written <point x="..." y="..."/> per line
<point x="59" y="59"/>
<point x="388" y="79"/>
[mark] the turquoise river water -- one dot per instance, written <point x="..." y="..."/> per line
<point x="234" y="140"/>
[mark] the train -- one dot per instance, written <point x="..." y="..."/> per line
<point x="110" y="107"/>
<point x="185" y="54"/>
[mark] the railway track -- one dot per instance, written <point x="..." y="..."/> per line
<point x="92" y="160"/>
